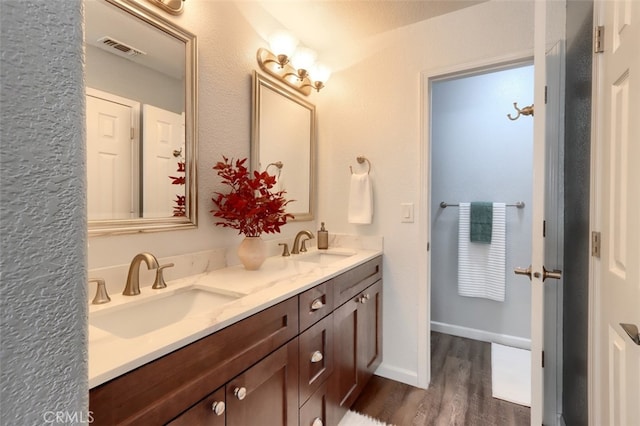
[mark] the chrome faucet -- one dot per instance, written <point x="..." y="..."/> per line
<point x="133" y="279"/>
<point x="298" y="243"/>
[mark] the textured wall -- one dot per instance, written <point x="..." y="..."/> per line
<point x="43" y="250"/>
<point x="576" y="240"/>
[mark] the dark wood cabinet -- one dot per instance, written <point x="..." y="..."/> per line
<point x="316" y="411"/>
<point x="316" y="357"/>
<point x="357" y="345"/>
<point x="211" y="411"/>
<point x="303" y="361"/>
<point x="267" y="393"/>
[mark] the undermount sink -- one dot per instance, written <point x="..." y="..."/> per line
<point x="136" y="319"/>
<point x="324" y="257"/>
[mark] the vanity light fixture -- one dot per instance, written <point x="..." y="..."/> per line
<point x="174" y="7"/>
<point x="294" y="67"/>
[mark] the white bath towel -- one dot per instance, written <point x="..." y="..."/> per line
<point x="360" y="199"/>
<point x="481" y="267"/>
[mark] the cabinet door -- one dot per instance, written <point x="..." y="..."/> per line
<point x="210" y="412"/>
<point x="370" y="332"/>
<point x="357" y="347"/>
<point x="316" y="357"/>
<point x="344" y="381"/>
<point x="316" y="411"/>
<point x="267" y="393"/>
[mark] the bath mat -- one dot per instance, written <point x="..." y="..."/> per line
<point x="511" y="374"/>
<point x="356" y="419"/>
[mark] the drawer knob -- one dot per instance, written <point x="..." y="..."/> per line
<point x="317" y="422"/>
<point x="218" y="407"/>
<point x="240" y="393"/>
<point x="317" y="356"/>
<point x="317" y="304"/>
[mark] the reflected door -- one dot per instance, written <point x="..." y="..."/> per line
<point x="110" y="192"/>
<point x="163" y="136"/>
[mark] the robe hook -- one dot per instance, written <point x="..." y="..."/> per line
<point x="528" y="110"/>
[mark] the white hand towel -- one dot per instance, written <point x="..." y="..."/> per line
<point x="360" y="199"/>
<point x="482" y="267"/>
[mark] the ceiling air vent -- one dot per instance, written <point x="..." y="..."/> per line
<point x="112" y="43"/>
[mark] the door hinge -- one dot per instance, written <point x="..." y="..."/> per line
<point x="542" y="359"/>
<point x="595" y="244"/>
<point x="544" y="228"/>
<point x="428" y="246"/>
<point x="133" y="133"/>
<point x="545" y="94"/>
<point x="598" y="39"/>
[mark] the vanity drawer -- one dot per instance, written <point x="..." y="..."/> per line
<point x="349" y="284"/>
<point x="315" y="412"/>
<point x="315" y="304"/>
<point x="157" y="392"/>
<point x="210" y="411"/>
<point x="316" y="357"/>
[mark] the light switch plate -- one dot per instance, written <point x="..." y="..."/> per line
<point x="406" y="212"/>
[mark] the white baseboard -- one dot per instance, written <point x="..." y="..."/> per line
<point x="398" y="374"/>
<point x="482" y="335"/>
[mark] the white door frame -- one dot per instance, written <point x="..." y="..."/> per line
<point x="424" y="210"/>
<point x="593" y="371"/>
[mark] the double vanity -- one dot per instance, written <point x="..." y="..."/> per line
<point x="291" y="344"/>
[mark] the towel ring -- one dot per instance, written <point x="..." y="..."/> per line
<point x="360" y="159"/>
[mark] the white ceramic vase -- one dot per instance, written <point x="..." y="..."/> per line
<point x="252" y="252"/>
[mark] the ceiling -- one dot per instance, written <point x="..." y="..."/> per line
<point x="323" y="25"/>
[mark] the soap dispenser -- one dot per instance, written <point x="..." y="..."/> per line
<point x="323" y="238"/>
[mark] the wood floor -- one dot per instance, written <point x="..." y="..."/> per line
<point x="459" y="394"/>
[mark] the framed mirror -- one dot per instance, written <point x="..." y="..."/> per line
<point x="283" y="142"/>
<point x="141" y="78"/>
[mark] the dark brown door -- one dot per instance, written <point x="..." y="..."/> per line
<point x="267" y="393"/>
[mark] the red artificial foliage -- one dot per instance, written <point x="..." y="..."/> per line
<point x="250" y="207"/>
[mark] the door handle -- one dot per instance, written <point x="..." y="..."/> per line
<point x="523" y="271"/>
<point x="632" y="331"/>
<point x="556" y="274"/>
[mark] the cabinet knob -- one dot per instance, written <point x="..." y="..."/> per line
<point x="218" y="408"/>
<point x="240" y="393"/>
<point x="317" y="304"/>
<point x="317" y="356"/>
<point x="317" y="422"/>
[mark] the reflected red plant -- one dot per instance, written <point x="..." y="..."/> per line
<point x="250" y="206"/>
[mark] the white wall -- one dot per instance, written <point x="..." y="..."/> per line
<point x="478" y="154"/>
<point x="373" y="108"/>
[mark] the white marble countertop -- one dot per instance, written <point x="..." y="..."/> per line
<point x="278" y="279"/>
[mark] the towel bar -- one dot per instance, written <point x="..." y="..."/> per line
<point x="519" y="204"/>
<point x="361" y="159"/>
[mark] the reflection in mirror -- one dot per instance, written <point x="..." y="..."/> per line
<point x="283" y="143"/>
<point x="141" y="77"/>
